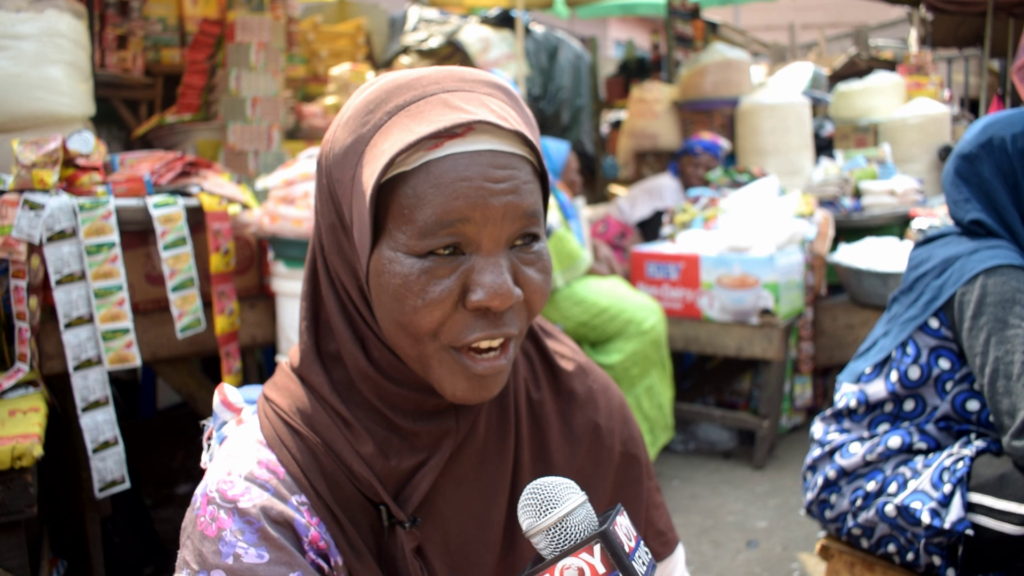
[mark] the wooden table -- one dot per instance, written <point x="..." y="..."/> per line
<point x="767" y="343"/>
<point x="839" y="328"/>
<point x="845" y="560"/>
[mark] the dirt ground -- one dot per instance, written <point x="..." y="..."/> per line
<point x="738" y="521"/>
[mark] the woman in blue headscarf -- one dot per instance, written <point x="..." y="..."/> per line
<point x="921" y="458"/>
<point x="622" y="329"/>
<point x="649" y="198"/>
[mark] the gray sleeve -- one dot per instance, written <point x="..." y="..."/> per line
<point x="989" y="323"/>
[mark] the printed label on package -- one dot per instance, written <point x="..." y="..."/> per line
<point x="28" y="223"/>
<point x="109" y="472"/>
<point x="112" y="304"/>
<point x="97" y="219"/>
<point x="82" y="348"/>
<point x="73" y="305"/>
<point x="91" y="388"/>
<point x="64" y="263"/>
<point x="59" y="222"/>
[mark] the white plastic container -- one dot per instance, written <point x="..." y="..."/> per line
<point x="775" y="131"/>
<point x="720" y="71"/>
<point x="873" y="97"/>
<point x="916" y="131"/>
<point x="286" y="283"/>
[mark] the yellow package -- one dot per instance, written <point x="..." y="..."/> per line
<point x="22" y="430"/>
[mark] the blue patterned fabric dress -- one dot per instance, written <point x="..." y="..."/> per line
<point x="889" y="463"/>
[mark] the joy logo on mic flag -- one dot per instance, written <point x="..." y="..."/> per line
<point x="632" y="544"/>
<point x="591" y="560"/>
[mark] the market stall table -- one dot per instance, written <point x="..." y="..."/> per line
<point x="768" y="343"/>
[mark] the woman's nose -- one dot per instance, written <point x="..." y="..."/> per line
<point x="492" y="286"/>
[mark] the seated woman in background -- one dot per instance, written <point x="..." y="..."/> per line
<point x="649" y="198"/>
<point x="425" y="393"/>
<point x="921" y="459"/>
<point x="622" y="329"/>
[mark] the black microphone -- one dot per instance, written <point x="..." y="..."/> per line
<point x="572" y="540"/>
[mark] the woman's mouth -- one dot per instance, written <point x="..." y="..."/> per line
<point x="486" y="348"/>
<point x="487" y="357"/>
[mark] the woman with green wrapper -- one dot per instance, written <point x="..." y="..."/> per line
<point x="622" y="329"/>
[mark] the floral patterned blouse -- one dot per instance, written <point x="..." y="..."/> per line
<point x="247" y="513"/>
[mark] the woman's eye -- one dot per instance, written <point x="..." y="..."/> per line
<point x="526" y="240"/>
<point x="451" y="250"/>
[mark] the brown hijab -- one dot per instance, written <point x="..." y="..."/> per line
<point x="407" y="483"/>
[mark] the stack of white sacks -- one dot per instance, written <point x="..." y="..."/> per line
<point x="45" y="61"/>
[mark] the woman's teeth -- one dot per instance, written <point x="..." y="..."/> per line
<point x="487" y="348"/>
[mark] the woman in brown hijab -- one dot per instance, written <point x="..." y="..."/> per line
<point x="426" y="392"/>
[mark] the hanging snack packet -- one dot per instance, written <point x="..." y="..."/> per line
<point x="37" y="163"/>
<point x="220" y="240"/>
<point x="28" y="222"/>
<point x="104" y="262"/>
<point x="97" y="219"/>
<point x="177" y="258"/>
<point x="120" y="348"/>
<point x="112" y="304"/>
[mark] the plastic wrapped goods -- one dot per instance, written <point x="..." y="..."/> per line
<point x="719" y="71"/>
<point x="775" y="131"/>
<point x="45" y="59"/>
<point x="916" y="131"/>
<point x="872" y="97"/>
<point x="651" y="124"/>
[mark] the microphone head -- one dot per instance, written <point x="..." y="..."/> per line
<point x="555" y="514"/>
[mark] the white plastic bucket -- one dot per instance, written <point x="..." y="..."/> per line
<point x="286" y="283"/>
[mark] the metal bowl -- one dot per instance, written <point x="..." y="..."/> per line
<point x="867" y="287"/>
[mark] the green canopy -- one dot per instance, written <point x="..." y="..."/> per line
<point x="627" y="8"/>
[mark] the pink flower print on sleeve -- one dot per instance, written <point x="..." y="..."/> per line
<point x="316" y="542"/>
<point x="233" y="490"/>
<point x="210" y="519"/>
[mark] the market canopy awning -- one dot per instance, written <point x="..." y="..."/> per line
<point x="961" y="23"/>
<point x="585" y="9"/>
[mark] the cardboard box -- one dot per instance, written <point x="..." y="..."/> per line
<point x="728" y="287"/>
<point x="854" y="136"/>
<point x="146" y="279"/>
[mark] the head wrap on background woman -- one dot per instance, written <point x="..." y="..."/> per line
<point x="556" y="155"/>
<point x="366" y="439"/>
<point x="983" y="181"/>
<point x="703" y="142"/>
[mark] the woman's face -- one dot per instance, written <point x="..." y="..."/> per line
<point x="460" y="268"/>
<point x="693" y="168"/>
<point x="572" y="178"/>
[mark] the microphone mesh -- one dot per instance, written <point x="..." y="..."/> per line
<point x="542" y="498"/>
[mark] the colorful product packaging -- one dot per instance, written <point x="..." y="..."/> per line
<point x="108" y="282"/>
<point x="66" y="242"/>
<point x="37" y="163"/>
<point x="10" y="248"/>
<point x="220" y="239"/>
<point x="727" y="287"/>
<point x="18" y="282"/>
<point x="28" y="222"/>
<point x="177" y="256"/>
